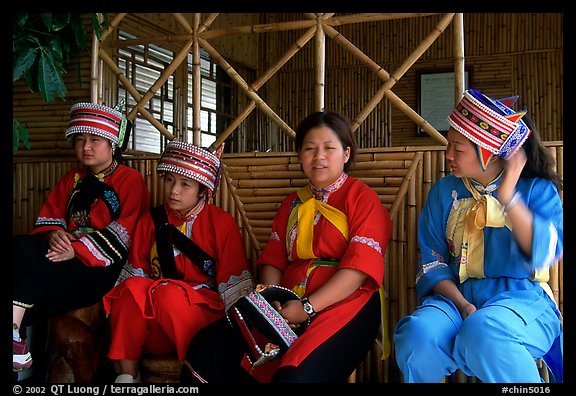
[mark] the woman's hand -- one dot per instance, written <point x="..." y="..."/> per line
<point x="467" y="310"/>
<point x="59" y="241"/>
<point x="512" y="169"/>
<point x="67" y="254"/>
<point x="292" y="311"/>
<point x="60" y="245"/>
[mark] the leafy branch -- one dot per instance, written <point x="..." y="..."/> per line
<point x="41" y="44"/>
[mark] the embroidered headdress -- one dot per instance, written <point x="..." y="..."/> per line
<point x="100" y="120"/>
<point x="491" y="124"/>
<point x="193" y="162"/>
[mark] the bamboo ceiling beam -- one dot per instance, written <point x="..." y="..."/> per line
<point x="398" y="73"/>
<point x="112" y="25"/>
<point x="381" y="73"/>
<point x="207" y="22"/>
<point x="297" y="46"/>
<point x="183" y="22"/>
<point x="373" y="17"/>
<point x="319" y="65"/>
<point x="249" y="91"/>
<point x="262" y="28"/>
<point x="166" y="73"/>
<point x="135" y="94"/>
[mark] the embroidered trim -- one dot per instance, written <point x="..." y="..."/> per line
<point x="324" y="193"/>
<point x="367" y="241"/>
<point x="235" y="288"/>
<point x="21" y="304"/>
<point x="434" y="265"/>
<point x="50" y="221"/>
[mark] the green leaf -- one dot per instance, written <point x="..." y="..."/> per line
<point x="23" y="62"/>
<point x="50" y="82"/>
<point x="79" y="33"/>
<point x="60" y="21"/>
<point x="96" y="25"/>
<point x="47" y="20"/>
<point x="19" y="133"/>
<point x="20" y="19"/>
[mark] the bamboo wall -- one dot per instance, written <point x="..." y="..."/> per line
<point x="506" y="53"/>
<point x="252" y="187"/>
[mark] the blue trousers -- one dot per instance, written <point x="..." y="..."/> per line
<point x="497" y="343"/>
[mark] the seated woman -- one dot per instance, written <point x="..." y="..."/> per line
<point x="327" y="244"/>
<point x="488" y="234"/>
<point x="187" y="265"/>
<point x="83" y="232"/>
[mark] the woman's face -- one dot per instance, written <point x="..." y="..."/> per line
<point x="322" y="156"/>
<point x="180" y="193"/>
<point x="462" y="155"/>
<point x="93" y="151"/>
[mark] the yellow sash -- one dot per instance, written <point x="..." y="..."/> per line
<point x="304" y="214"/>
<point x="486" y="212"/>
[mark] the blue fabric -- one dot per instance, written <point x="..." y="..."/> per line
<point x="520" y="320"/>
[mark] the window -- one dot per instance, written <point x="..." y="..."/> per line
<point x="143" y="65"/>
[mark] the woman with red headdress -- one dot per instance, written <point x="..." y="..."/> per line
<point x="488" y="234"/>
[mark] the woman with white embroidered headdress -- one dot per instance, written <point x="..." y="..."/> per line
<point x="83" y="232"/>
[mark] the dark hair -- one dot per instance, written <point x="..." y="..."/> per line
<point x="539" y="161"/>
<point x="336" y="122"/>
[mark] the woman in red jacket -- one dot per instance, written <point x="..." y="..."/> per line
<point x="187" y="265"/>
<point x="83" y="232"/>
<point x="327" y="244"/>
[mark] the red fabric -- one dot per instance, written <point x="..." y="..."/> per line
<point x="174" y="305"/>
<point x="369" y="222"/>
<point x="134" y="201"/>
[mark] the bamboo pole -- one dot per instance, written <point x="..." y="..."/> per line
<point x="297" y="46"/>
<point x="384" y="75"/>
<point x="207" y="22"/>
<point x="249" y="91"/>
<point x="405" y="183"/>
<point x="112" y="25"/>
<point x="398" y="73"/>
<point x="197" y="86"/>
<point x="459" y="69"/>
<point x="166" y="73"/>
<point x="373" y="17"/>
<point x="184" y="23"/>
<point x="94" y="68"/>
<point x="135" y="94"/>
<point x="319" y="66"/>
<point x="262" y="28"/>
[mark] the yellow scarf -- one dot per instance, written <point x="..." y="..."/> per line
<point x="486" y="212"/>
<point x="304" y="213"/>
